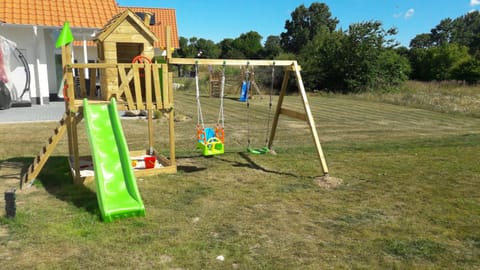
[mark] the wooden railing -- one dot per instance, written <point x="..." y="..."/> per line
<point x="136" y="86"/>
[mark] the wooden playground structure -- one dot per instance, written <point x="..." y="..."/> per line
<point x="126" y="72"/>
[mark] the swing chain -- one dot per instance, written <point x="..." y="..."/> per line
<point x="197" y="92"/>
<point x="221" y="117"/>
<point x="267" y="132"/>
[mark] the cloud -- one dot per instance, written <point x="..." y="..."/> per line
<point x="411" y="11"/>
<point x="474" y="2"/>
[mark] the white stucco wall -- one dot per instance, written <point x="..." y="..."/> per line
<point x="31" y="42"/>
<point x="38" y="46"/>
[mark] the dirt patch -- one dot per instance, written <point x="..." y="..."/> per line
<point x="328" y="182"/>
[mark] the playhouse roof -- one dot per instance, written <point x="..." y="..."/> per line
<point x="81" y="14"/>
<point x="163" y="17"/>
<point x="118" y="19"/>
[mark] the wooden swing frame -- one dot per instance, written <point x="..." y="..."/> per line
<point x="290" y="66"/>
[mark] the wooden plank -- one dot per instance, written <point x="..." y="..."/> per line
<point x="167" y="94"/>
<point x="171" y="124"/>
<point x="230" y="62"/>
<point x="138" y="87"/>
<point x="126" y="86"/>
<point x="76" y="154"/>
<point x="83" y="86"/>
<point x="156" y="85"/>
<point x="150" y="131"/>
<point x="293" y="114"/>
<point x="310" y="121"/>
<point x="148" y="86"/>
<point x="93" y="82"/>
<point x="168" y="38"/>
<point x="276" y="117"/>
<point x="95" y="65"/>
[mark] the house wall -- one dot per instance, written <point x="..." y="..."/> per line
<point x="32" y="43"/>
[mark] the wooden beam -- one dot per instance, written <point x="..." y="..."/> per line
<point x="230" y="62"/>
<point x="276" y="117"/>
<point x="293" y="114"/>
<point x="171" y="122"/>
<point x="137" y="88"/>
<point x="310" y="121"/>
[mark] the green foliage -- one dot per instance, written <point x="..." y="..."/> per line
<point x="322" y="62"/>
<point x="353" y="61"/>
<point x="446" y="52"/>
<point x="462" y="30"/>
<point x="393" y="68"/>
<point x="272" y="47"/>
<point x="305" y="25"/>
<point x="195" y="47"/>
<point x="439" y="63"/>
<point x="249" y="44"/>
<point x="468" y="71"/>
<point x="229" y="51"/>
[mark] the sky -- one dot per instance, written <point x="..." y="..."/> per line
<point x="219" y="19"/>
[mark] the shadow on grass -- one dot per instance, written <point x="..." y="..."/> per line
<point x="14" y="168"/>
<point x="190" y="169"/>
<point x="57" y="180"/>
<point x="253" y="165"/>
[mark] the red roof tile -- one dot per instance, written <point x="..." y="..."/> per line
<point x="81" y="14"/>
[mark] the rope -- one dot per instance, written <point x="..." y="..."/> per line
<point x="269" y="116"/>
<point x="247" y="81"/>
<point x="199" y="106"/>
<point x="221" y="118"/>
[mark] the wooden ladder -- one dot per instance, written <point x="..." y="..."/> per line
<point x="40" y="160"/>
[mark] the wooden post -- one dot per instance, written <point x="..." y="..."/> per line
<point x="278" y="110"/>
<point x="149" y="103"/>
<point x="171" y="122"/>
<point x="168" y="39"/>
<point x="310" y="121"/>
<point x="71" y="111"/>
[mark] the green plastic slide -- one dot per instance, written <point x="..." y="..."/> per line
<point x="117" y="191"/>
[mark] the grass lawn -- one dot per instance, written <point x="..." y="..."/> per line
<point x="410" y="197"/>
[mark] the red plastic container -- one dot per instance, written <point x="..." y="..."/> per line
<point x="149" y="162"/>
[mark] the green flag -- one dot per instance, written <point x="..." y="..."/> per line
<point x="65" y="36"/>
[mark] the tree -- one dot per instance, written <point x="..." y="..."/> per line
<point x="438" y="63"/>
<point x="466" y="31"/>
<point x="250" y="44"/>
<point x="468" y="71"/>
<point x="442" y="33"/>
<point x="304" y="26"/>
<point x="323" y="62"/>
<point x="228" y="51"/>
<point x="206" y="48"/>
<point x="363" y="46"/>
<point x="272" y="47"/>
<point x="393" y="68"/>
<point x="356" y="60"/>
<point x="421" y="41"/>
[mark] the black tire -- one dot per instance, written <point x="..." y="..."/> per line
<point x="5" y="97"/>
